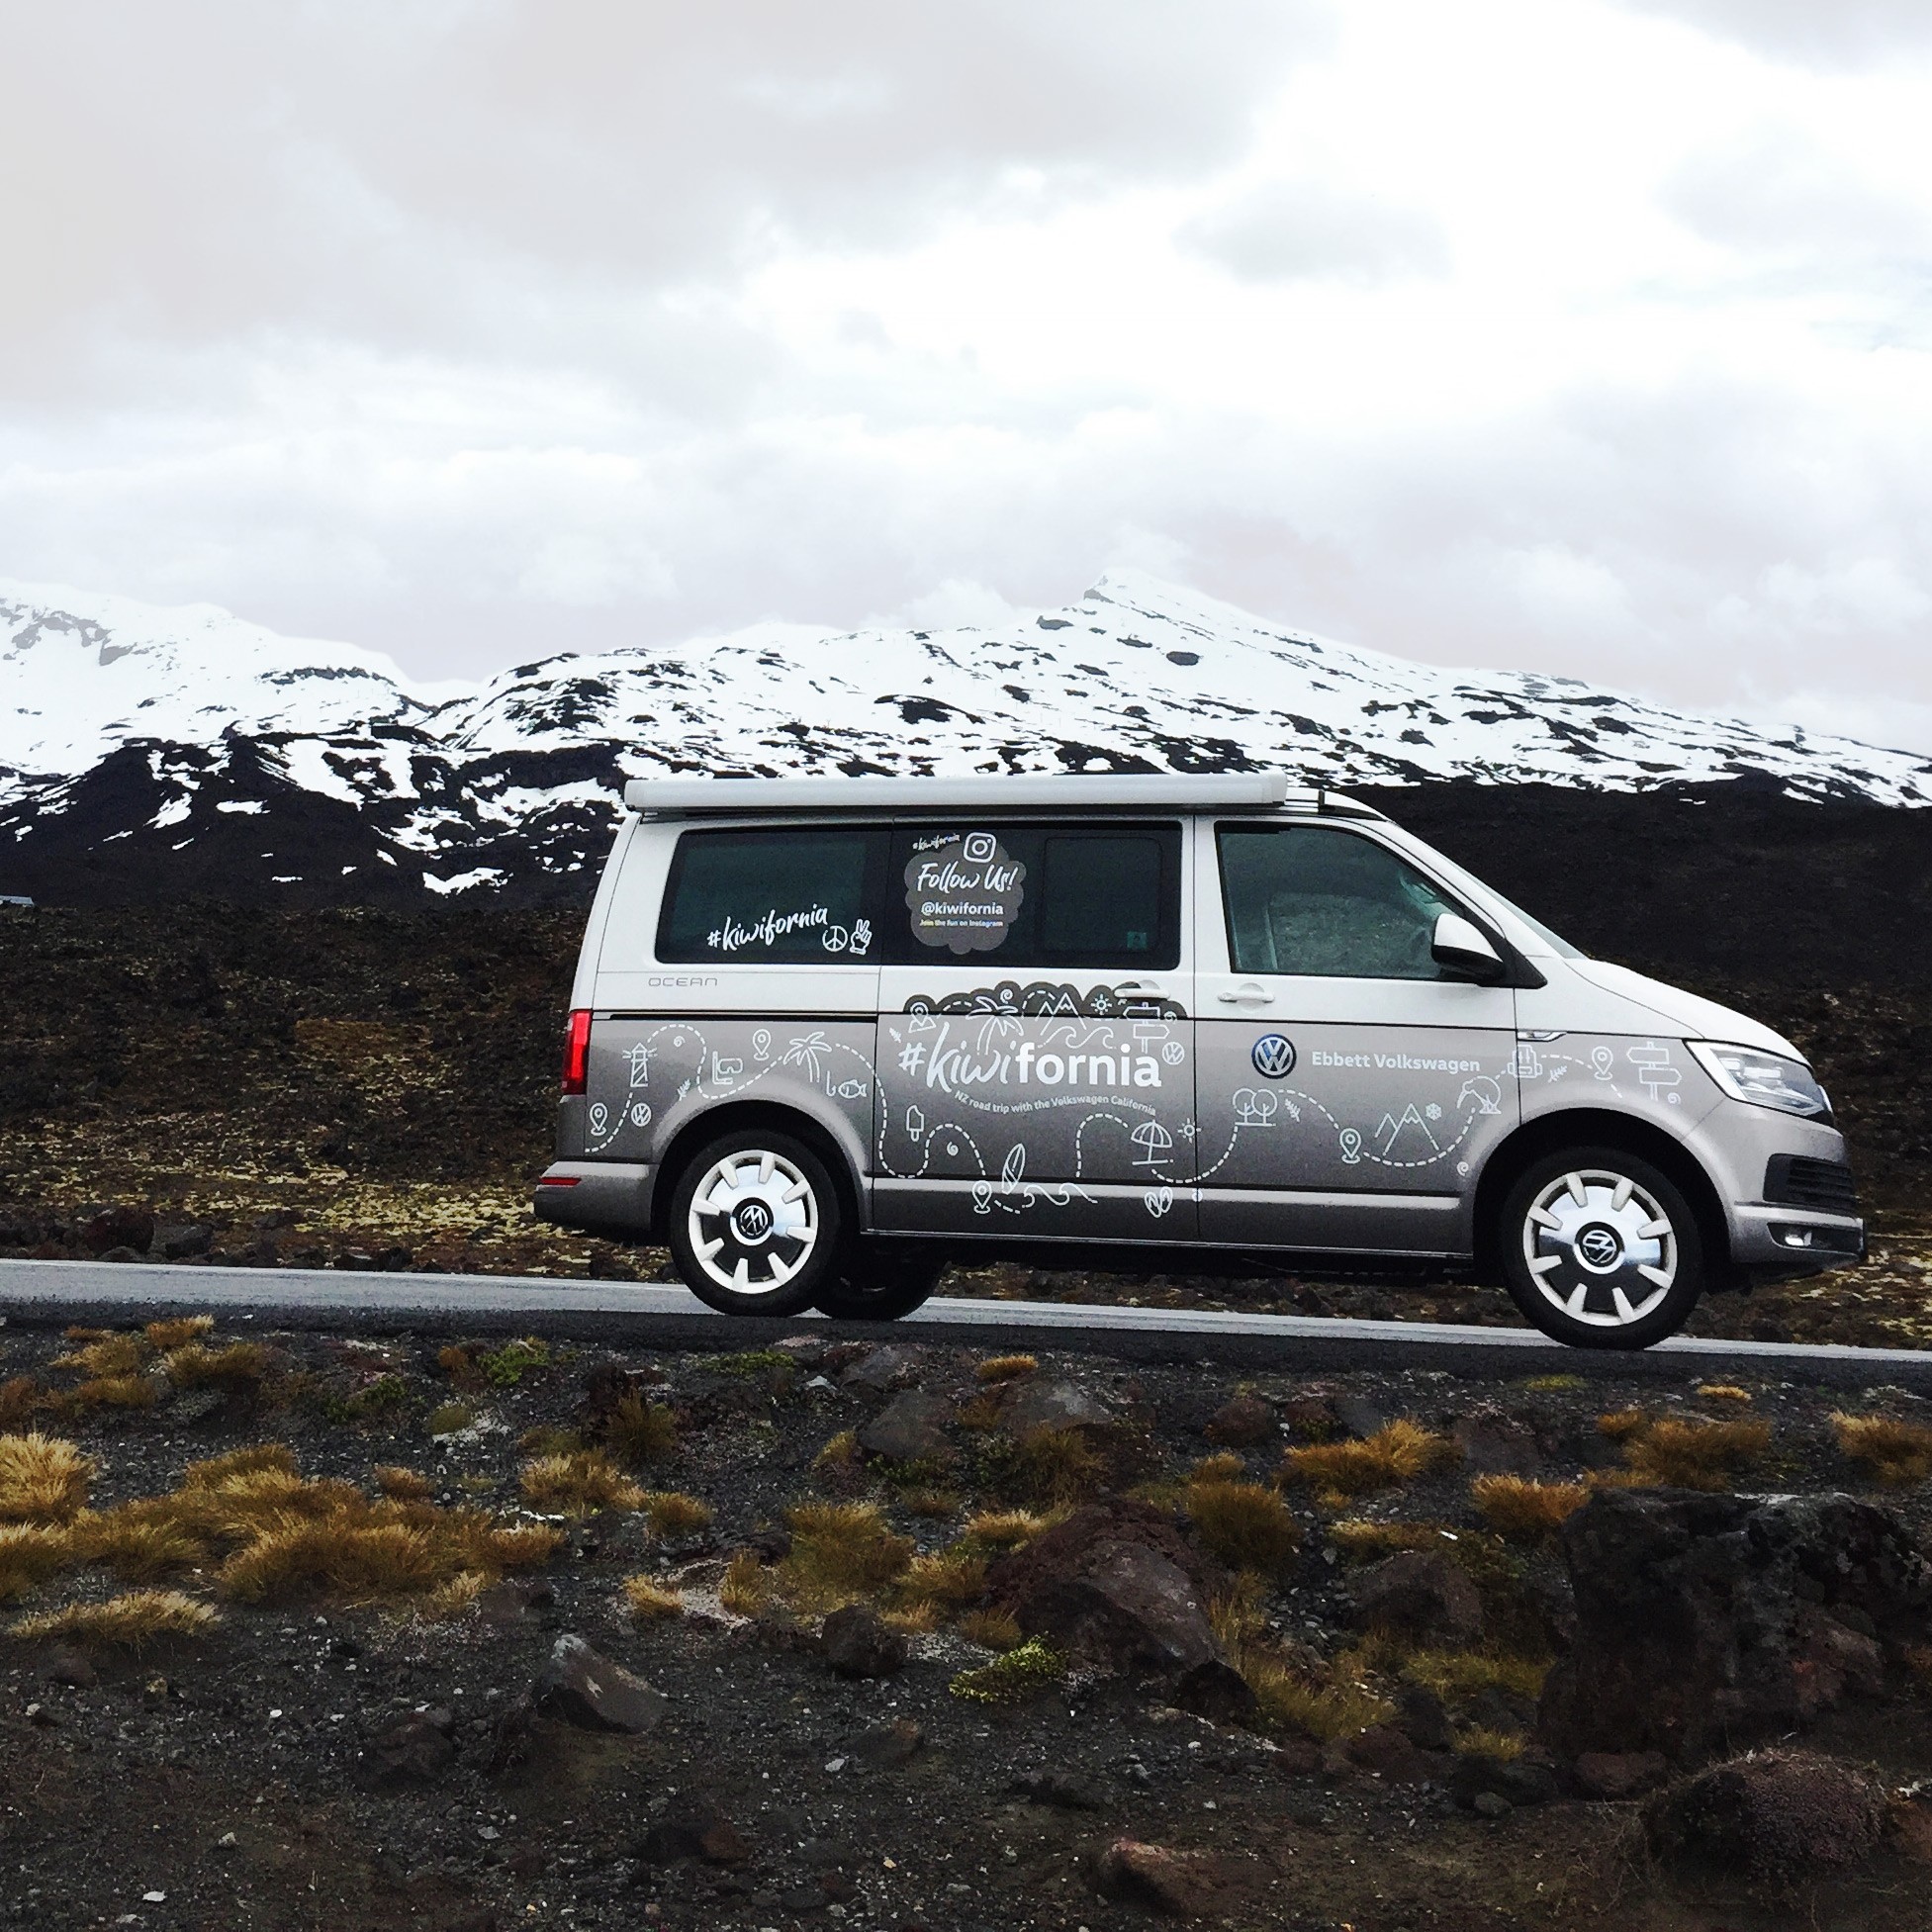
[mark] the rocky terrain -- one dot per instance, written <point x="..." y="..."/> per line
<point x="320" y="1633"/>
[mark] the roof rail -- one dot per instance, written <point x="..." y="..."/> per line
<point x="1073" y="792"/>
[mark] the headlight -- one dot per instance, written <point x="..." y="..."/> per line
<point x="1763" y="1079"/>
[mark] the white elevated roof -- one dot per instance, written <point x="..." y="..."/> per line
<point x="1104" y="791"/>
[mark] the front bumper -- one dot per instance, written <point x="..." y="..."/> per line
<point x="604" y="1197"/>
<point x="1773" y="1242"/>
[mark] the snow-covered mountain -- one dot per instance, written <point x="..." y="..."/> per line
<point x="229" y="756"/>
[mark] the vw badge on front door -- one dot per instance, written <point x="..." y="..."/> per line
<point x="1273" y="1056"/>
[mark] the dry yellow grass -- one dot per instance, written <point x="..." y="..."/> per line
<point x="1621" y="1423"/>
<point x="1895" y="1453"/>
<point x="1006" y="1368"/>
<point x="178" y="1333"/>
<point x="1525" y="1512"/>
<point x="103" y="1352"/>
<point x="578" y="1484"/>
<point x="1004" y="1528"/>
<point x="936" y="1501"/>
<point x="238" y="1365"/>
<point x="1455" y="1675"/>
<point x="453" y="1598"/>
<point x="361" y="1559"/>
<point x="641" y="1432"/>
<point x="649" y="1601"/>
<point x="991" y="1629"/>
<point x="1242" y="1524"/>
<point x="917" y="1620"/>
<point x="671" y="1513"/>
<point x="841" y="1554"/>
<point x="840" y="1460"/>
<point x="1053" y="1466"/>
<point x="1221" y="1467"/>
<point x="399" y="1484"/>
<point x="133" y="1546"/>
<point x="1330" y="1705"/>
<point x="746" y="1588"/>
<point x="42" y="1478"/>
<point x="1356" y="1537"/>
<point x="30" y="1553"/>
<point x="21" y="1399"/>
<point x="947" y="1577"/>
<point x="1478" y="1742"/>
<point x="133" y="1620"/>
<point x="115" y="1392"/>
<point x="1686" y="1454"/>
<point x="1723" y="1392"/>
<point x="1388" y="1459"/>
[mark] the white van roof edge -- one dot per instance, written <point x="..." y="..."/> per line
<point x="1069" y="791"/>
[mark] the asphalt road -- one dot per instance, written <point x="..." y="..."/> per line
<point x="56" y="1293"/>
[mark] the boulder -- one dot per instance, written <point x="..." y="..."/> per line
<point x="1242" y="1421"/>
<point x="1776" y="1816"/>
<point x="1032" y="1405"/>
<point x="1422" y="1719"/>
<point x="1517" y="1780"/>
<point x="415" y="1750"/>
<point x="126" y="1226"/>
<point x="896" y="1365"/>
<point x="1618" y="1775"/>
<point x="1356" y="1415"/>
<point x="1383" y="1751"/>
<point x="1183" y="1884"/>
<point x="857" y="1642"/>
<point x="1496" y="1444"/>
<point x="692" y="1826"/>
<point x="911" y="1427"/>
<point x="1709" y="1623"/>
<point x="1117" y="1584"/>
<point x="887" y="1746"/>
<point x="1421" y="1595"/>
<point x="1065" y="1791"/>
<point x="580" y="1686"/>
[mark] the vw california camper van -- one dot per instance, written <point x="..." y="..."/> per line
<point x="828" y="1033"/>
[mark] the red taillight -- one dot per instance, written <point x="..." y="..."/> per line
<point x="576" y="1051"/>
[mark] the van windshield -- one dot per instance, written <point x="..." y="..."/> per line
<point x="1557" y="943"/>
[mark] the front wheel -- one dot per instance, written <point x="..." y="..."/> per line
<point x="1601" y="1249"/>
<point x="756" y="1225"/>
<point x="880" y="1283"/>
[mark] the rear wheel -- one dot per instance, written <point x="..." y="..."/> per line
<point x="1601" y="1249"/>
<point x="757" y="1226"/>
<point x="880" y="1283"/>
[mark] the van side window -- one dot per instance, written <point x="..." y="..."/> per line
<point x="755" y="897"/>
<point x="1103" y="896"/>
<point x="1313" y="899"/>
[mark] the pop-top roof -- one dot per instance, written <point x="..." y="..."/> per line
<point x="1103" y="791"/>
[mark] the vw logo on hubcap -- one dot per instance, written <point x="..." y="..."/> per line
<point x="752" y="1222"/>
<point x="1273" y="1056"/>
<point x="1599" y="1248"/>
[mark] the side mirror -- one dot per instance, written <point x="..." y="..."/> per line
<point x="1462" y="949"/>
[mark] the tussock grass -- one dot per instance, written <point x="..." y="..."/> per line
<point x="1323" y="1706"/>
<point x="1358" y="1537"/>
<point x="1242" y="1524"/>
<point x="362" y="1559"/>
<point x="547" y="1440"/>
<point x="639" y="1432"/>
<point x="1223" y="1466"/>
<point x="402" y="1485"/>
<point x="916" y="1619"/>
<point x="458" y="1362"/>
<point x="1525" y="1512"/>
<point x="1007" y="1368"/>
<point x="1551" y="1384"/>
<point x="236" y="1366"/>
<point x="1619" y="1425"/>
<point x="841" y="1554"/>
<point x="650" y="1602"/>
<point x="1024" y="1672"/>
<point x="21" y="1399"/>
<point x="671" y="1513"/>
<point x="1894" y="1453"/>
<point x="578" y="1484"/>
<point x="42" y="1478"/>
<point x="1505" y="1747"/>
<point x="451" y="1600"/>
<point x="133" y="1620"/>
<point x="1388" y="1459"/>
<point x="178" y="1333"/>
<point x="449" y="1416"/>
<point x="103" y="1352"/>
<point x="124" y="1391"/>
<point x="990" y="1630"/>
<point x="746" y="1587"/>
<point x="1457" y="1674"/>
<point x="1723" y="1392"/>
<point x="1004" y="1529"/>
<point x="840" y="1460"/>
<point x="948" y="1579"/>
<point x="934" y="1501"/>
<point x="1051" y="1467"/>
<point x="1687" y="1454"/>
<point x="133" y="1545"/>
<point x="30" y="1553"/>
<point x="979" y="1414"/>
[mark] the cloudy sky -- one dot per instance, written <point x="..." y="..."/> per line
<point x="1581" y="336"/>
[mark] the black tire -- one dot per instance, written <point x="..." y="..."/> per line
<point x="880" y="1283"/>
<point x="753" y="1257"/>
<point x="1624" y="1260"/>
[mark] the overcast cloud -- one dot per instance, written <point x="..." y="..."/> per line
<point x="1552" y="333"/>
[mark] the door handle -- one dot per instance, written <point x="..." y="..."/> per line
<point x="1248" y="995"/>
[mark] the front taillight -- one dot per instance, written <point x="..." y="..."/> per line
<point x="576" y="1051"/>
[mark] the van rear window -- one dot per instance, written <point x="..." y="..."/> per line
<point x="786" y="896"/>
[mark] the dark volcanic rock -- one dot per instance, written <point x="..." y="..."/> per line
<point x="1707" y="1621"/>
<point x="1618" y="1774"/>
<point x="895" y="1366"/>
<point x="119" y="1226"/>
<point x="694" y="1826"/>
<point x="1779" y="1816"/>
<point x="1068" y="1791"/>
<point x="1422" y="1719"/>
<point x="857" y="1642"/>
<point x="1496" y="1444"/>
<point x="885" y="1747"/>
<point x="1422" y="1595"/>
<point x="585" y="1689"/>
<point x="1184" y="1884"/>
<point x="417" y="1750"/>
<point x="1242" y="1421"/>
<point x="1118" y="1584"/>
<point x="1032" y="1405"/>
<point x="911" y="1427"/>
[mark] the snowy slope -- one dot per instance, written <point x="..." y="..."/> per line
<point x="222" y="753"/>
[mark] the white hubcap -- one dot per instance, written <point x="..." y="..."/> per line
<point x="753" y="1222"/>
<point x="1600" y="1249"/>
